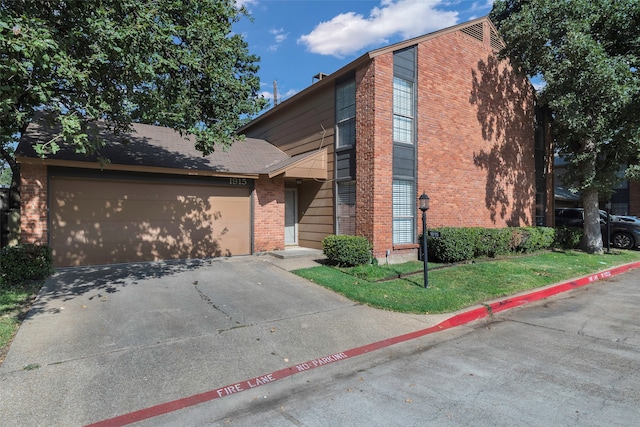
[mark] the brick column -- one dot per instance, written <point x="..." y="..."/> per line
<point x="374" y="153"/>
<point x="33" y="204"/>
<point x="268" y="214"/>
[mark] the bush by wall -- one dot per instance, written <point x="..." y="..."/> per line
<point x="491" y="242"/>
<point x="347" y="251"/>
<point x="453" y="245"/>
<point x="22" y="263"/>
<point x="568" y="237"/>
<point x="531" y="239"/>
<point x="466" y="243"/>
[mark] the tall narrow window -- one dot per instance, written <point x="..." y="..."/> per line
<point x="346" y="114"/>
<point x="402" y="111"/>
<point x="404" y="206"/>
<point x="404" y="146"/>
<point x="346" y="209"/>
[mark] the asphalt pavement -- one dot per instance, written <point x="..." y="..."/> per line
<point x="568" y="360"/>
<point x="154" y="339"/>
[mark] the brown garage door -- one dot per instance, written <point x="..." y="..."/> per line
<point x="111" y="221"/>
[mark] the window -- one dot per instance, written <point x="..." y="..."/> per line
<point x="402" y="111"/>
<point x="346" y="208"/>
<point x="404" y="206"/>
<point x="346" y="114"/>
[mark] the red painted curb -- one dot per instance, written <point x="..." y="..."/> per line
<point x="457" y="320"/>
<point x="517" y="301"/>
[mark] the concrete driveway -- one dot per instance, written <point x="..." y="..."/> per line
<point x="104" y="341"/>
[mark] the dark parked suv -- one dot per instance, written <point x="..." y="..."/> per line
<point x="624" y="234"/>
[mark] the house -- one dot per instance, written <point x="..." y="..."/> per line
<point x="625" y="199"/>
<point x="438" y="114"/>
<point x="156" y="198"/>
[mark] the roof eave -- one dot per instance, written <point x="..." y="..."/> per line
<point x="310" y="165"/>
<point x="133" y="168"/>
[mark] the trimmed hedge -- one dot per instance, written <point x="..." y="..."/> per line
<point x="568" y="237"/>
<point x="532" y="239"/>
<point x="23" y="263"/>
<point x="457" y="244"/>
<point x="346" y="251"/>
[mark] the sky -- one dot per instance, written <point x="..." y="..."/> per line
<point x="297" y="39"/>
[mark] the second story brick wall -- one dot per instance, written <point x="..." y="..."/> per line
<point x="475" y="136"/>
<point x="475" y="140"/>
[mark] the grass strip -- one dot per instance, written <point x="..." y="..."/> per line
<point x="455" y="287"/>
<point x="13" y="303"/>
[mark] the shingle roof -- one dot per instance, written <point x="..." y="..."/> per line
<point x="155" y="146"/>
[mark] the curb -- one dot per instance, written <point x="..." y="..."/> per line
<point x="470" y="315"/>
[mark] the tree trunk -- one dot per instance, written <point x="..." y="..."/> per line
<point x="14" y="189"/>
<point x="592" y="236"/>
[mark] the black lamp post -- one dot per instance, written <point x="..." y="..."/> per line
<point x="424" y="207"/>
<point x="608" y="206"/>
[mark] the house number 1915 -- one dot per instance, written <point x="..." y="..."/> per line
<point x="238" y="181"/>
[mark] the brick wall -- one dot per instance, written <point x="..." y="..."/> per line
<point x="268" y="207"/>
<point x="475" y="136"/>
<point x="634" y="198"/>
<point x="475" y="128"/>
<point x="374" y="153"/>
<point x="33" y="204"/>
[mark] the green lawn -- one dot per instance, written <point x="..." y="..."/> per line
<point x="452" y="288"/>
<point x="12" y="304"/>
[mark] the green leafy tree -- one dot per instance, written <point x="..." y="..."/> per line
<point x="587" y="53"/>
<point x="5" y="173"/>
<point x="173" y="63"/>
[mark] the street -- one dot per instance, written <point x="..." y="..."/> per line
<point x="571" y="359"/>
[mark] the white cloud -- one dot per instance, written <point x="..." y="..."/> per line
<point x="245" y="3"/>
<point x="279" y="37"/>
<point x="538" y="83"/>
<point x="281" y="96"/>
<point x="279" y="34"/>
<point x="350" y="32"/>
<point x="266" y="95"/>
<point x="481" y="7"/>
<point x="288" y="94"/>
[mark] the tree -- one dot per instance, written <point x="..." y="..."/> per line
<point x="173" y="63"/>
<point x="587" y="53"/>
<point x="5" y="173"/>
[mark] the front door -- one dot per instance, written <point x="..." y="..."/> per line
<point x="290" y="216"/>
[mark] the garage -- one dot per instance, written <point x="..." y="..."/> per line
<point x="129" y="219"/>
<point x="150" y="195"/>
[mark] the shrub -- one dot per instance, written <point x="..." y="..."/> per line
<point x="23" y="263"/>
<point x="533" y="239"/>
<point x="568" y="237"/>
<point x="453" y="245"/>
<point x="491" y="241"/>
<point x="462" y="244"/>
<point x="347" y="251"/>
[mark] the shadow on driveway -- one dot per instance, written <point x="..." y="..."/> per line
<point x="69" y="283"/>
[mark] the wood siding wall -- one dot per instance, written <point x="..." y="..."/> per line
<point x="307" y="126"/>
